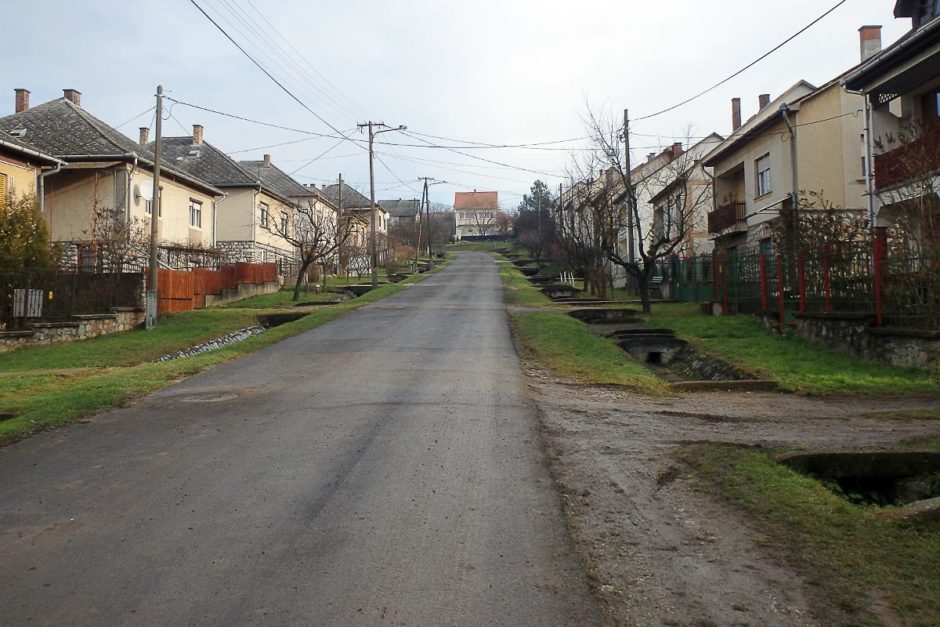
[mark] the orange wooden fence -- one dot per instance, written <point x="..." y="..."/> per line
<point x="184" y="290"/>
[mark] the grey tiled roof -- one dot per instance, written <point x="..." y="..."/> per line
<point x="18" y="145"/>
<point x="400" y="208"/>
<point x="351" y="198"/>
<point x="204" y="161"/>
<point x="61" y="128"/>
<point x="275" y="178"/>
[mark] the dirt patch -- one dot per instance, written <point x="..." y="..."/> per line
<point x="658" y="550"/>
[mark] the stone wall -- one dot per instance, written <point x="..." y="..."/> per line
<point x="256" y="252"/>
<point x="855" y="335"/>
<point x="76" y="328"/>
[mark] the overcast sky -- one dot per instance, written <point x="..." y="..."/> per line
<point x="494" y="71"/>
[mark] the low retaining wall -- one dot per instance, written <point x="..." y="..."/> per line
<point x="244" y="290"/>
<point x="854" y="335"/>
<point x="76" y="328"/>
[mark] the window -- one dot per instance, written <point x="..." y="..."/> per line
<point x="148" y="205"/>
<point x="264" y="214"/>
<point x="283" y="225"/>
<point x="763" y="176"/>
<point x="195" y="213"/>
<point x="264" y="256"/>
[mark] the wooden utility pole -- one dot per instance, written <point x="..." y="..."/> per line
<point x="341" y="232"/>
<point x="372" y="133"/>
<point x="153" y="293"/>
<point x="631" y="200"/>
<point x="427" y="212"/>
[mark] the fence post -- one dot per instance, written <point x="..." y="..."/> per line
<point x="763" y="283"/>
<point x="879" y="253"/>
<point x="724" y="284"/>
<point x="801" y="271"/>
<point x="827" y="285"/>
<point x="780" y="289"/>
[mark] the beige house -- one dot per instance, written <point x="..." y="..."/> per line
<point x="808" y="139"/>
<point x="476" y="213"/>
<point x="256" y="207"/>
<point x="356" y="210"/>
<point x="108" y="174"/>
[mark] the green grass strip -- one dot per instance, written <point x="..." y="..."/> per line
<point x="876" y="570"/>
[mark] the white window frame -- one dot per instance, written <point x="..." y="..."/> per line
<point x="282" y="227"/>
<point x="195" y="213"/>
<point x="265" y="214"/>
<point x="763" y="183"/>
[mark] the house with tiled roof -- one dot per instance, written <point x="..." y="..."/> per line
<point x="401" y="211"/>
<point x="259" y="201"/>
<point x="356" y="211"/>
<point x="105" y="170"/>
<point x="475" y="213"/>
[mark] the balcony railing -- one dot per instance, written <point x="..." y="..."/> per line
<point x="911" y="160"/>
<point x="725" y="217"/>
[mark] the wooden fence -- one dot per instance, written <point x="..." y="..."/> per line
<point x="184" y="290"/>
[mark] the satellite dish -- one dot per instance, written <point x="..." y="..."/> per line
<point x="145" y="190"/>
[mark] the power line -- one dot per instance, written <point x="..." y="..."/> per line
<point x="746" y="67"/>
<point x="142" y="113"/>
<point x="505" y="165"/>
<point x="316" y="158"/>
<point x="266" y="72"/>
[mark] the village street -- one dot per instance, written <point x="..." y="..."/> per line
<point x="383" y="468"/>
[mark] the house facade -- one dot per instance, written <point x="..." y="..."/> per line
<point x="901" y="88"/>
<point x="807" y="143"/>
<point x="106" y="176"/>
<point x="23" y="169"/>
<point x="475" y="214"/>
<point x="253" y="211"/>
<point x="401" y="211"/>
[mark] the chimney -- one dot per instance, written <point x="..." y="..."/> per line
<point x="144" y="135"/>
<point x="869" y="41"/>
<point x="22" y="99"/>
<point x="762" y="101"/>
<point x="735" y="114"/>
<point x="677" y="150"/>
<point x="197" y="134"/>
<point x="74" y="96"/>
<point x="650" y="157"/>
<point x="267" y="161"/>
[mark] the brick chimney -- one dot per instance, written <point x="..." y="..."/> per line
<point x="22" y="99"/>
<point x="762" y="101"/>
<point x="735" y="114"/>
<point x="677" y="150"/>
<point x="197" y="134"/>
<point x="267" y="161"/>
<point x="869" y="41"/>
<point x="144" y="135"/>
<point x="74" y="96"/>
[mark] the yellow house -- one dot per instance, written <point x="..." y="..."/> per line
<point x="23" y="168"/>
<point x="106" y="174"/>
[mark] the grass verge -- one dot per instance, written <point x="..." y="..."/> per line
<point x="875" y="570"/>
<point x="68" y="381"/>
<point x="793" y="363"/>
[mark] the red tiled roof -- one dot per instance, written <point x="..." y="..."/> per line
<point x="476" y="200"/>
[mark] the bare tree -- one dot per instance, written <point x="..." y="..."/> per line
<point x="581" y="229"/>
<point x="316" y="234"/>
<point x="485" y="220"/>
<point x="115" y="240"/>
<point x="620" y="201"/>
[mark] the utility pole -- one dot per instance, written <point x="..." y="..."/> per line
<point x="153" y="293"/>
<point x="341" y="231"/>
<point x="417" y="228"/>
<point x="631" y="201"/>
<point x="538" y="218"/>
<point x="372" y="133"/>
<point x="426" y="203"/>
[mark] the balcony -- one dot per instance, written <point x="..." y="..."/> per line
<point x="727" y="217"/>
<point x="908" y="161"/>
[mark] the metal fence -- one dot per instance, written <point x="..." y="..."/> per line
<point x="852" y="279"/>
<point x="54" y="295"/>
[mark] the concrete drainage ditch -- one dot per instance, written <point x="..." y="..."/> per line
<point x="265" y="322"/>
<point x="672" y="358"/>
<point x="910" y="479"/>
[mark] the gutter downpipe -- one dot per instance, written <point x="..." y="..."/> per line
<point x="795" y="191"/>
<point x="215" y="217"/>
<point x="42" y="185"/>
<point x="130" y="187"/>
<point x="869" y="112"/>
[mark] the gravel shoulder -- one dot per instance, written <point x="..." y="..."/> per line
<point x="656" y="548"/>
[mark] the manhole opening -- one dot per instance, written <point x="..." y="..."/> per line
<point x="884" y="478"/>
<point x="654" y="358"/>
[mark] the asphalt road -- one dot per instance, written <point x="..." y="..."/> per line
<point x="385" y="468"/>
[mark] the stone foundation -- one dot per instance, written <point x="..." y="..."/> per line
<point x="76" y="328"/>
<point x="854" y="335"/>
<point x="256" y="252"/>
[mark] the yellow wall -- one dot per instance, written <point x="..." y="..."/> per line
<point x="173" y="225"/>
<point x="239" y="219"/>
<point x="70" y="201"/>
<point x="21" y="177"/>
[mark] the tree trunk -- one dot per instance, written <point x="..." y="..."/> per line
<point x="645" y="289"/>
<point x="300" y="278"/>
